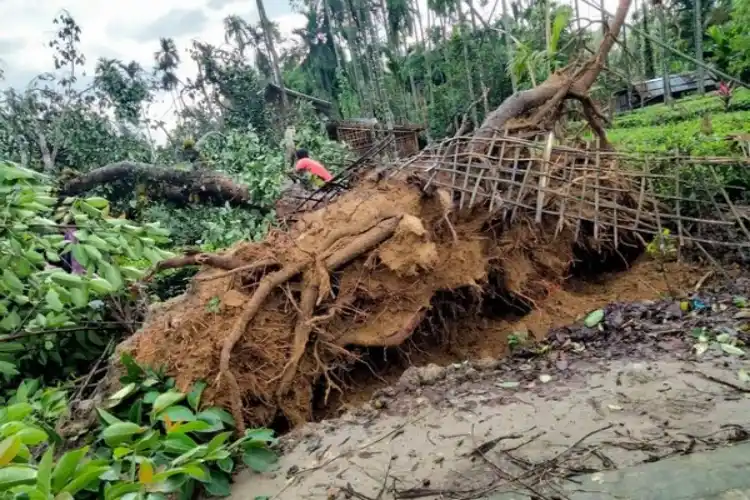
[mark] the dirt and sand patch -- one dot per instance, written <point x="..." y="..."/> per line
<point x="631" y="390"/>
<point x="483" y="336"/>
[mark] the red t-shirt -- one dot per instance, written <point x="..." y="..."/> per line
<point x="314" y="168"/>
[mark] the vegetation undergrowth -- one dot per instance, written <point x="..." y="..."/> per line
<point x="151" y="441"/>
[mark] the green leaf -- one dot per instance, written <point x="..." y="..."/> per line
<point x="259" y="459"/>
<point x="227" y="465"/>
<point x="118" y="490"/>
<point x="194" y="397"/>
<point x="743" y="376"/>
<point x="179" y="443"/>
<point x="16" y="475"/>
<point x="117" y="398"/>
<point x="97" y="242"/>
<point x="67" y="279"/>
<point x="177" y="414"/>
<point x="97" y="202"/>
<point x="218" y="484"/>
<point x="79" y="253"/>
<point x="216" y="417"/>
<point x="151" y="255"/>
<point x="135" y="414"/>
<point x="107" y="417"/>
<point x="260" y="435"/>
<point x="10" y="322"/>
<point x="53" y="300"/>
<point x="9" y="448"/>
<point x="730" y="349"/>
<point x="8" y="347"/>
<point x="594" y="318"/>
<point x="131" y="273"/>
<point x="150" y="397"/>
<point x="44" y="472"/>
<point x="166" y="400"/>
<point x="121" y="432"/>
<point x="18" y="411"/>
<point x="101" y="285"/>
<point x="218" y="441"/>
<point x="31" y="435"/>
<point x="196" y="453"/>
<point x="84" y="477"/>
<point x="194" y="426"/>
<point x="12" y="282"/>
<point x="79" y="296"/>
<point x="112" y="275"/>
<point x="94" y="253"/>
<point x="66" y="466"/>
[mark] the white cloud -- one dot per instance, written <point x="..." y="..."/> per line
<point x="127" y="31"/>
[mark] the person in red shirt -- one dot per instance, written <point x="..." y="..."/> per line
<point x="317" y="171"/>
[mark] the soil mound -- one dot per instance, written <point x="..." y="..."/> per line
<point x="364" y="271"/>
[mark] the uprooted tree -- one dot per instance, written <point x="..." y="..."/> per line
<point x="279" y="315"/>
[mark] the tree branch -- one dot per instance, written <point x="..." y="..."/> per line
<point x="525" y="101"/>
<point x="171" y="183"/>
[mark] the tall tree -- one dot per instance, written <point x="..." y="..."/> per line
<point x="265" y="24"/>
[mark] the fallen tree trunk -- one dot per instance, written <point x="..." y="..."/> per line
<point x="170" y="183"/>
<point x="567" y="83"/>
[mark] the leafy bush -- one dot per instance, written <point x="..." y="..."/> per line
<point x="210" y="227"/>
<point x="50" y="316"/>
<point x="153" y="442"/>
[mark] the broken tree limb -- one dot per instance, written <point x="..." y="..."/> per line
<point x="521" y="103"/>
<point x="173" y="184"/>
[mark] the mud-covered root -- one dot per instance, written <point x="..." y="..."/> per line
<point x="362" y="244"/>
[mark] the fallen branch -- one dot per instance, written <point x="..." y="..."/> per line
<point x="523" y="102"/>
<point x="719" y="381"/>
<point x="173" y="184"/>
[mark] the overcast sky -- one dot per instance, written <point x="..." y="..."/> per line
<point x="127" y="31"/>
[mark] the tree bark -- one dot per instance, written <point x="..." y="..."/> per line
<point x="173" y="184"/>
<point x="664" y="55"/>
<point x="698" y="29"/>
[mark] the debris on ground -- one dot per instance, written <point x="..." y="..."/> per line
<point x="630" y="390"/>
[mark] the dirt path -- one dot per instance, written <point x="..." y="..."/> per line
<point x="421" y="443"/>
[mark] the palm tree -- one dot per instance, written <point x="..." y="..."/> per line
<point x="167" y="60"/>
<point x="268" y="35"/>
<point x="236" y="31"/>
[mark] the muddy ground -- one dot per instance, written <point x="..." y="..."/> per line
<point x="657" y="376"/>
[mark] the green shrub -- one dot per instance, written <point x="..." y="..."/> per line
<point x="152" y="441"/>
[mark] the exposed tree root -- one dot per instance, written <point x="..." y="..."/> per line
<point x="360" y="245"/>
<point x="240" y="269"/>
<point x="197" y="259"/>
<point x="301" y="330"/>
